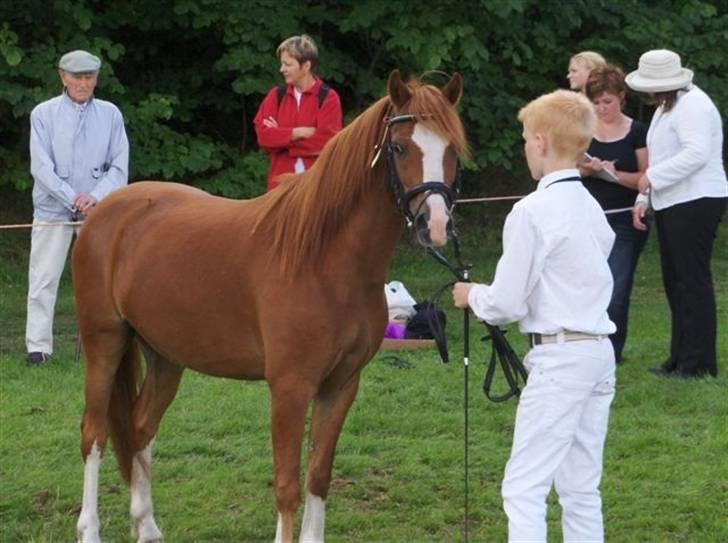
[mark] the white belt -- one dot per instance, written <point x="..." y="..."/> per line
<point x="561" y="337"/>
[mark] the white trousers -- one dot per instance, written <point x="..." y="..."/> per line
<point x="561" y="427"/>
<point x="48" y="251"/>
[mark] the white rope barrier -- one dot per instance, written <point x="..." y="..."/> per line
<point x="503" y="198"/>
<point x="488" y="199"/>
<point x="459" y="201"/>
<point x="39" y="224"/>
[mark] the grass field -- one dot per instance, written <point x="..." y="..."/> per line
<point x="398" y="475"/>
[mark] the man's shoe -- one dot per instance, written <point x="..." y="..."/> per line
<point x="37" y="358"/>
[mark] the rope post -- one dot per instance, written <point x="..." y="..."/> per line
<point x="466" y="363"/>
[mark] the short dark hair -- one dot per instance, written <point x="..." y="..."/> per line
<point x="302" y="48"/>
<point x="607" y="78"/>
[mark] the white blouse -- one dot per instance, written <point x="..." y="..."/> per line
<point x="685" y="147"/>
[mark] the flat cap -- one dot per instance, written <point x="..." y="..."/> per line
<point x="79" y="61"/>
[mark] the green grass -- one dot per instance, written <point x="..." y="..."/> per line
<point x="398" y="475"/>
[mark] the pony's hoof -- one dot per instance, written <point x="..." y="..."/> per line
<point x="146" y="531"/>
<point x="88" y="531"/>
<point x="86" y="538"/>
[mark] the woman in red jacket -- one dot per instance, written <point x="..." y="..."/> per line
<point x="295" y="120"/>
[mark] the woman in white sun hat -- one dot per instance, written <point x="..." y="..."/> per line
<point x="687" y="188"/>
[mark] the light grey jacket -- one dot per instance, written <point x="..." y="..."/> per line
<point x="75" y="148"/>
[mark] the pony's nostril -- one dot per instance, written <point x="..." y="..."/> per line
<point x="421" y="222"/>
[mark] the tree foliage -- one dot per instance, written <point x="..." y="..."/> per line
<point x="189" y="75"/>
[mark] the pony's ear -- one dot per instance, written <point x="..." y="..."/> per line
<point x="399" y="93"/>
<point x="453" y="91"/>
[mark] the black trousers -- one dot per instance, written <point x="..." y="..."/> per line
<point x="686" y="233"/>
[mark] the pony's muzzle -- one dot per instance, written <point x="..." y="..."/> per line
<point x="433" y="223"/>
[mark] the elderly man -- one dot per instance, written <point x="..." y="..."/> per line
<point x="79" y="154"/>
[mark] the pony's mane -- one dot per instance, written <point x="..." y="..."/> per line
<point x="305" y="213"/>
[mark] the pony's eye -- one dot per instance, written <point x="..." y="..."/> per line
<point x="397" y="149"/>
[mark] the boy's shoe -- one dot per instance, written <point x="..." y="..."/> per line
<point x="37" y="358"/>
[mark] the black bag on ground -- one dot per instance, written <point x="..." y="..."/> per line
<point x="420" y="325"/>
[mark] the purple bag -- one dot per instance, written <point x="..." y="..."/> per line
<point x="394" y="331"/>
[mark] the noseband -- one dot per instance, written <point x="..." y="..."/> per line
<point x="403" y="197"/>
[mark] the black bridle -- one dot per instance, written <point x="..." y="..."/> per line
<point x="403" y="197"/>
<point x="502" y="353"/>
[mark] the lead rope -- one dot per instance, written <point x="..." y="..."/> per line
<point x="466" y="363"/>
<point x="501" y="352"/>
<point x="462" y="273"/>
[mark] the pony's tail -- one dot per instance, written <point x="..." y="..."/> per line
<point x="121" y="406"/>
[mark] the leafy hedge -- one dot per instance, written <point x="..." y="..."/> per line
<point x="189" y="75"/>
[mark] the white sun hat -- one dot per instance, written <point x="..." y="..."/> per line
<point x="659" y="71"/>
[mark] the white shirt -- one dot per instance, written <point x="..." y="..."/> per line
<point x="553" y="275"/>
<point x="298" y="166"/>
<point x="685" y="146"/>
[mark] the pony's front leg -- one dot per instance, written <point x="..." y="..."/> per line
<point x="88" y="521"/>
<point x="290" y="399"/>
<point x="330" y="407"/>
<point x="314" y="519"/>
<point x="143" y="526"/>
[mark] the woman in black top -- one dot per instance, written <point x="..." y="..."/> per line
<point x="617" y="158"/>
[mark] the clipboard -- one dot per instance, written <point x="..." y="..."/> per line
<point x="604" y="175"/>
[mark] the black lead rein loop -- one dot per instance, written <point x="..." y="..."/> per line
<point x="501" y="352"/>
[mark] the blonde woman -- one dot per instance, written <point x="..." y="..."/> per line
<point x="580" y="65"/>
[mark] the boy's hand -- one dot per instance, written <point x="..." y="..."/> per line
<point x="460" y="294"/>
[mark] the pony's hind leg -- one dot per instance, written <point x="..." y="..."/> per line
<point x="158" y="391"/>
<point x="88" y="521"/>
<point x="330" y="407"/>
<point x="105" y="350"/>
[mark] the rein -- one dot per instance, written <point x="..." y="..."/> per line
<point x="501" y="351"/>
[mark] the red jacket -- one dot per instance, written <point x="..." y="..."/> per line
<point x="277" y="141"/>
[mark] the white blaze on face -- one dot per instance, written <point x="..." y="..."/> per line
<point x="433" y="152"/>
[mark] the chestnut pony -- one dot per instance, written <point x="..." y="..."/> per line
<point x="287" y="287"/>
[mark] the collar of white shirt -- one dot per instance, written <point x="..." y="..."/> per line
<point x="551" y="178"/>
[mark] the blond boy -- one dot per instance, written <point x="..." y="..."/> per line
<point x="553" y="279"/>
